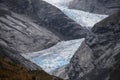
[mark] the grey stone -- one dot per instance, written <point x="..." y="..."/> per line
<point x="20" y="33"/>
<point x="98" y="57"/>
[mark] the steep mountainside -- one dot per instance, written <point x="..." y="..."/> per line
<point x="10" y="71"/>
<point x="48" y="16"/>
<point x="96" y="6"/>
<point x="20" y="33"/>
<point x="28" y="26"/>
<point x="14" y="67"/>
<point x="85" y="19"/>
<point x="98" y="58"/>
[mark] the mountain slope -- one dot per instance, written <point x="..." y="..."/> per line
<point x="85" y="19"/>
<point x="20" y="33"/>
<point x="48" y="16"/>
<point x="10" y="71"/>
<point x="96" y="6"/>
<point x="98" y="56"/>
<point x="14" y="67"/>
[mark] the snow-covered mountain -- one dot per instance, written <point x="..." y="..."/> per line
<point x="83" y="18"/>
<point x="56" y="56"/>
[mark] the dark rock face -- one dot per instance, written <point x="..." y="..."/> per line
<point x="98" y="57"/>
<point x="20" y="33"/>
<point x="48" y="16"/>
<point x="96" y="6"/>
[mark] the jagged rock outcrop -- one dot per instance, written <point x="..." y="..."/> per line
<point x="20" y="33"/>
<point x="98" y="58"/>
<point x="14" y="67"/>
<point x="96" y="6"/>
<point x="48" y="16"/>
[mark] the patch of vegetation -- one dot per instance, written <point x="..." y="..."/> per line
<point x="10" y="71"/>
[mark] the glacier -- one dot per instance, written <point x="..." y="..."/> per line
<point x="60" y="54"/>
<point x="55" y="57"/>
<point x="83" y="18"/>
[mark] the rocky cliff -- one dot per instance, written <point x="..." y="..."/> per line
<point x="96" y="6"/>
<point x="98" y="56"/>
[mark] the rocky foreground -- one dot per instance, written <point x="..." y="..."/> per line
<point x="15" y="67"/>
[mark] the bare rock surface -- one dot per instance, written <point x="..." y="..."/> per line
<point x="20" y="33"/>
<point x="98" y="56"/>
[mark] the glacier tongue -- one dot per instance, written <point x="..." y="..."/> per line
<point x="83" y="18"/>
<point x="56" y="56"/>
<point x="60" y="54"/>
